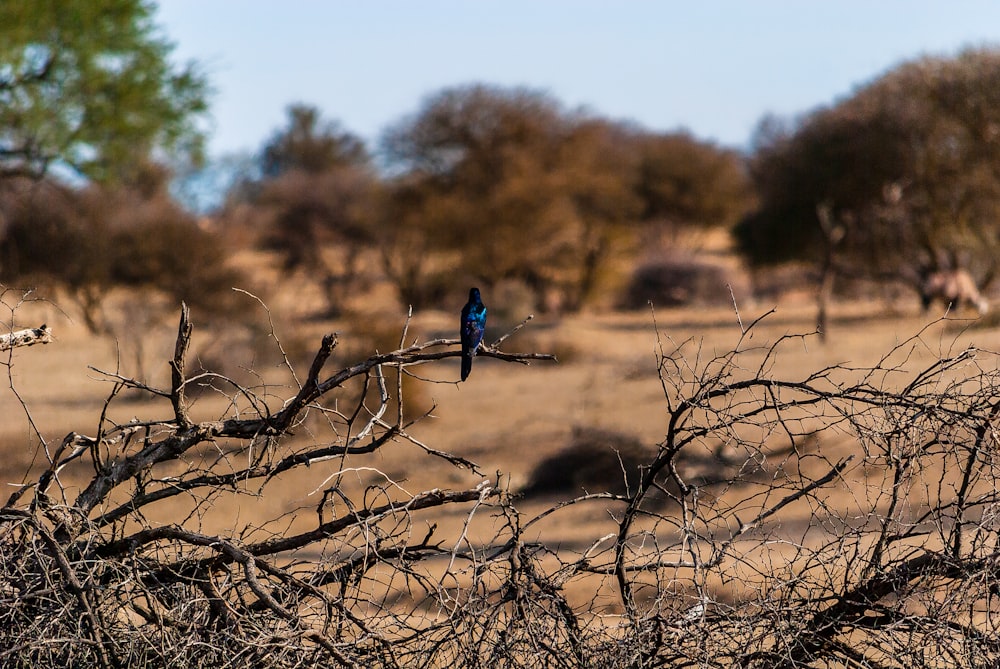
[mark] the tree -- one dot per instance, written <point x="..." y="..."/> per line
<point x="408" y="243"/>
<point x="598" y="168"/>
<point x="310" y="144"/>
<point x="320" y="224"/>
<point x="89" y="86"/>
<point x="83" y="242"/>
<point x="163" y="248"/>
<point x="906" y="166"/>
<point x="950" y="198"/>
<point x="687" y="185"/>
<point x="503" y="184"/>
<point x="49" y="240"/>
<point x="836" y="158"/>
<point x="315" y="203"/>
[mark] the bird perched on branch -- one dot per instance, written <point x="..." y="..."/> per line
<point x="473" y="329"/>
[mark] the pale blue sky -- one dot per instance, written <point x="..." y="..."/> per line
<point x="712" y="67"/>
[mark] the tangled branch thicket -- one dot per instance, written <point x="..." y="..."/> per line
<point x="858" y="527"/>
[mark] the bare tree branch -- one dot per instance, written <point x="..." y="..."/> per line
<point x="849" y="521"/>
<point x="29" y="337"/>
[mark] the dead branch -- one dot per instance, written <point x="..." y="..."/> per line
<point x="28" y="337"/>
<point x="852" y="522"/>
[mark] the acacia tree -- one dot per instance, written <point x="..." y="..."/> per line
<point x="504" y="184"/>
<point x="906" y="167"/>
<point x="315" y="202"/>
<point x="90" y="86"/>
<point x="310" y="144"/>
<point x="687" y="185"/>
<point x="950" y="198"/>
<point x="598" y="168"/>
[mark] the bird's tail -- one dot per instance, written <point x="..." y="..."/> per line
<point x="467" y="364"/>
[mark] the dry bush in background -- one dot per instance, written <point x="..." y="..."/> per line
<point x="594" y="460"/>
<point x="775" y="566"/>
<point x="82" y="244"/>
<point x="679" y="280"/>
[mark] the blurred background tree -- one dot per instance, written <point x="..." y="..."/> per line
<point x="689" y="186"/>
<point x="478" y="167"/>
<point x="908" y="169"/>
<point x="503" y="184"/>
<point x="91" y="107"/>
<point x="315" y="203"/>
<point x="502" y="187"/>
<point x="89" y="86"/>
<point x="49" y="241"/>
<point x="310" y="144"/>
<point x="85" y="241"/>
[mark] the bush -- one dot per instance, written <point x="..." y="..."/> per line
<point x="50" y="240"/>
<point x="681" y="281"/>
<point x="878" y="549"/>
<point x="182" y="260"/>
<point x="595" y="460"/>
<point x="84" y="242"/>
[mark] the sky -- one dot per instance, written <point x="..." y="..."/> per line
<point x="713" y="68"/>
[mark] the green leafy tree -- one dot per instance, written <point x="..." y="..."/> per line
<point x="90" y="86"/>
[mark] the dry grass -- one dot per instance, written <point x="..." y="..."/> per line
<point x="506" y="418"/>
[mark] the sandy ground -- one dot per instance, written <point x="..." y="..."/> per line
<point x="506" y="418"/>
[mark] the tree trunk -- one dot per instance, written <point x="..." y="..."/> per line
<point x="833" y="234"/>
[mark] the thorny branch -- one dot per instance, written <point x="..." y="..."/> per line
<point x="28" y="337"/>
<point x="850" y="520"/>
<point x="188" y="435"/>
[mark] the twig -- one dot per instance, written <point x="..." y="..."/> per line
<point x="40" y="335"/>
<point x="178" y="367"/>
<point x="515" y="329"/>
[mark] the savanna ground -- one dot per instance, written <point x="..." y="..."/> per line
<point x="506" y="419"/>
<point x="615" y="374"/>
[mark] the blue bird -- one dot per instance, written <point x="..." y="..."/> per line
<point x="473" y="329"/>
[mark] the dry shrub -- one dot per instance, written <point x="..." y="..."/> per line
<point x="84" y="242"/>
<point x="679" y="280"/>
<point x="103" y="575"/>
<point x="595" y="460"/>
<point x="234" y="357"/>
<point x="366" y="334"/>
<point x="880" y="551"/>
<point x="183" y="261"/>
<point x="598" y="460"/>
